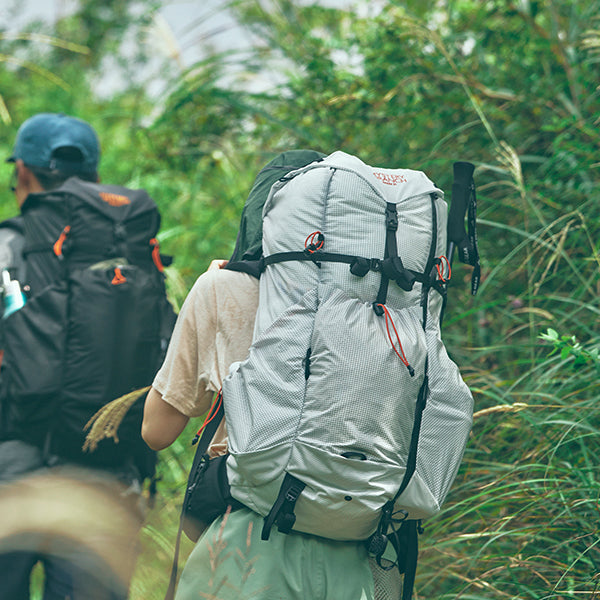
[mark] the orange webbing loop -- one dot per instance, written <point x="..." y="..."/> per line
<point x="400" y="354"/>
<point x="211" y="414"/>
<point x="309" y="242"/>
<point x="440" y="271"/>
<point x="156" y="255"/>
<point x="119" y="277"/>
<point x="58" y="244"/>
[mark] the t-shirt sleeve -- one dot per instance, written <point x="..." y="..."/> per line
<point x="184" y="380"/>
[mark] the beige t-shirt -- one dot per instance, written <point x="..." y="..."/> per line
<point x="214" y="329"/>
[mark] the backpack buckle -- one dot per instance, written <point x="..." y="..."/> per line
<point x="361" y="266"/>
<point x="391" y="217"/>
<point x="282" y="512"/>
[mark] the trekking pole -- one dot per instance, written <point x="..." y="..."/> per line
<point x="463" y="200"/>
<point x="461" y="196"/>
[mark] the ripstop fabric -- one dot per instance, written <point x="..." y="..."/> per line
<point x="324" y="395"/>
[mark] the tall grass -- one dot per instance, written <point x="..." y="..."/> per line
<point x="522" y="520"/>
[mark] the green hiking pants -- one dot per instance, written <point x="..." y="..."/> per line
<point x="231" y="562"/>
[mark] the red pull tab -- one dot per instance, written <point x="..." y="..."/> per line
<point x="399" y="351"/>
<point x="444" y="269"/>
<point x="119" y="278"/>
<point x="156" y="255"/>
<point x="58" y="245"/>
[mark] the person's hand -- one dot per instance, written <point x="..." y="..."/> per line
<point x="218" y="263"/>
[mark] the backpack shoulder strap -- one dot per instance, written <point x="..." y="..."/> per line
<point x="14" y="224"/>
<point x="213" y="419"/>
<point x="12" y="241"/>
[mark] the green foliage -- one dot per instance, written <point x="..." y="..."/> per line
<point x="511" y="86"/>
<point x="567" y="346"/>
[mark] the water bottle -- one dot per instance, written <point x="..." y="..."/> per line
<point x="14" y="299"/>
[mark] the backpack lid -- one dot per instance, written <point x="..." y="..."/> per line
<point x="115" y="202"/>
<point x="394" y="185"/>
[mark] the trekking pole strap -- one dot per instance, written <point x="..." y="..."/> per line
<point x="474" y="250"/>
<point x="464" y="202"/>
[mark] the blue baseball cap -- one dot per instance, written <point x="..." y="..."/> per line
<point x="40" y="136"/>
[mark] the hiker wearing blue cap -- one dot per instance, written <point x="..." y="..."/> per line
<point x="49" y="150"/>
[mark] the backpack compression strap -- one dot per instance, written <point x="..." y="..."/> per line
<point x="391" y="266"/>
<point x="282" y="512"/>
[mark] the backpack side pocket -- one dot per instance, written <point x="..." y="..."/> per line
<point x="207" y="495"/>
<point x="32" y="366"/>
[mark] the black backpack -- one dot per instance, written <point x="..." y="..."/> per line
<point x="96" y="321"/>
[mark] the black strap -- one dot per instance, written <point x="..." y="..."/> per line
<point x="251" y="267"/>
<point x="464" y="202"/>
<point x="378" y="541"/>
<point x="408" y="534"/>
<point x="391" y="250"/>
<point x="282" y="511"/>
<point x="317" y="256"/>
<point x="213" y="421"/>
<point x="412" y="553"/>
<point x="431" y="262"/>
<point x="359" y="265"/>
<point x="411" y="461"/>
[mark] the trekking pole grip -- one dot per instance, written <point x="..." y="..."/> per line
<point x="461" y="191"/>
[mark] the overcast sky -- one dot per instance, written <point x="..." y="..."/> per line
<point x="189" y="20"/>
<point x="181" y="31"/>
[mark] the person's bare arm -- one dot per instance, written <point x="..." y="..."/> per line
<point x="162" y="422"/>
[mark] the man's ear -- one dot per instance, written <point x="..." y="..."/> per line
<point x="27" y="182"/>
<point x="21" y="171"/>
<point x="25" y="177"/>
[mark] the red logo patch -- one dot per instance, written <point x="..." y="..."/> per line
<point x="114" y="199"/>
<point x="390" y="179"/>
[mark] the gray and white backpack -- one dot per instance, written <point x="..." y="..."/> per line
<point x="348" y="420"/>
<point x="348" y="414"/>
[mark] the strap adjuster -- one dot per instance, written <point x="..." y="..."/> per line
<point x="282" y="512"/>
<point x="391" y="218"/>
<point x="361" y="266"/>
